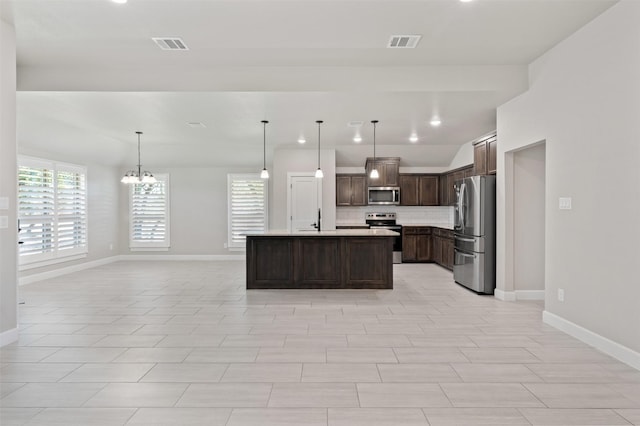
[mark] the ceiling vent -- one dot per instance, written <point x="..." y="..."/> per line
<point x="403" y="41"/>
<point x="170" y="43"/>
<point x="355" y="124"/>
<point x="196" y="125"/>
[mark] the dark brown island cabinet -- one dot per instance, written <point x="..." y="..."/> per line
<point x="342" y="259"/>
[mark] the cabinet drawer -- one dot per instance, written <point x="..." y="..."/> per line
<point x="416" y="230"/>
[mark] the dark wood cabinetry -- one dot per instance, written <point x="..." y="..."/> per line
<point x="307" y="261"/>
<point x="492" y="163"/>
<point x="388" y="170"/>
<point x="419" y="190"/>
<point x="447" y="190"/>
<point x="417" y="245"/>
<point x="443" y="247"/>
<point x="427" y="244"/>
<point x="351" y="190"/>
<point x="484" y="156"/>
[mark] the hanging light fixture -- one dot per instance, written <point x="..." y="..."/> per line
<point x="374" y="173"/>
<point x="138" y="177"/>
<point x="319" y="173"/>
<point x="264" y="174"/>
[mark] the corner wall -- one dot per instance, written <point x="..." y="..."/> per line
<point x="8" y="186"/>
<point x="584" y="100"/>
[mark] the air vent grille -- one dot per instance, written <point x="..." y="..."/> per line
<point x="170" y="43"/>
<point x="355" y="124"/>
<point x="404" y="41"/>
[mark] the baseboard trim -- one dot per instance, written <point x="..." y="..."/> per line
<point x="529" y="294"/>
<point x="66" y="270"/>
<point x="8" y="337"/>
<point x="507" y="296"/>
<point x="176" y="257"/>
<point x="611" y="348"/>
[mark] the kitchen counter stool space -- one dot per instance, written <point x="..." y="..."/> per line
<point x="350" y="259"/>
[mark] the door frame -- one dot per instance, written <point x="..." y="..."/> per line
<point x="290" y="176"/>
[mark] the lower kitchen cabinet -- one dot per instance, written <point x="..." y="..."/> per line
<point x="427" y="244"/>
<point x="417" y="244"/>
<point x="443" y="247"/>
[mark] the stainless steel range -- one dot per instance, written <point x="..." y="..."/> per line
<point x="387" y="221"/>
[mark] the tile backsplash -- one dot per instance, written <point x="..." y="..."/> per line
<point x="405" y="215"/>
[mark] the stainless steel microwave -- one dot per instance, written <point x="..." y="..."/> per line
<point x="384" y="195"/>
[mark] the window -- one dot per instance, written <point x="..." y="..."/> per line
<point x="247" y="207"/>
<point x="149" y="215"/>
<point x="52" y="208"/>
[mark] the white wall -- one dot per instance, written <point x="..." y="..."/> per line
<point x="198" y="198"/>
<point x="8" y="185"/>
<point x="463" y="157"/>
<point x="584" y="101"/>
<point x="529" y="208"/>
<point x="289" y="160"/>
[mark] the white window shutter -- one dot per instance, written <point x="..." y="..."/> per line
<point x="52" y="208"/>
<point x="149" y="227"/>
<point x="247" y="208"/>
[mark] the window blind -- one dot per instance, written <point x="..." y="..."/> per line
<point x="52" y="208"/>
<point x="247" y="208"/>
<point x="149" y="226"/>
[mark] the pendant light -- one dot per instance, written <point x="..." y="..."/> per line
<point x="319" y="173"/>
<point x="264" y="174"/>
<point x="374" y="172"/>
<point x="138" y="177"/>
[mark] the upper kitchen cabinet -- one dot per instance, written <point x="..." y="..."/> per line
<point x="419" y="190"/>
<point x="351" y="190"/>
<point x="388" y="171"/>
<point x="484" y="156"/>
<point x="447" y="186"/>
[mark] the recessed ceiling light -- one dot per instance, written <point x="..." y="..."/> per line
<point x="119" y="1"/>
<point x="413" y="138"/>
<point x="302" y="140"/>
<point x="435" y="122"/>
<point x="357" y="139"/>
<point x="466" y="1"/>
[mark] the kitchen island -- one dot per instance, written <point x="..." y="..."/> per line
<point x="341" y="259"/>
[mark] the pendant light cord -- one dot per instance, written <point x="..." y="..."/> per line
<point x="374" y="139"/>
<point x="139" y="162"/>
<point x="264" y="144"/>
<point x="319" y="123"/>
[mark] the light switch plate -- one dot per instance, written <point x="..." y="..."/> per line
<point x="4" y="222"/>
<point x="4" y="203"/>
<point x="565" y="203"/>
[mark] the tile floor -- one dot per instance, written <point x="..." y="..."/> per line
<point x="183" y="343"/>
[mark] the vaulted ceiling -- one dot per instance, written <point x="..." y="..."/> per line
<point x="89" y="75"/>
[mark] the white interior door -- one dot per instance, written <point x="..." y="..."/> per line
<point x="304" y="201"/>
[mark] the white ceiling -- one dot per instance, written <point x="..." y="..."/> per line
<point x="89" y="75"/>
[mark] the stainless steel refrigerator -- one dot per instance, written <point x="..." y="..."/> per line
<point x="475" y="234"/>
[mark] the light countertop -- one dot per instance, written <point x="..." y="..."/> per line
<point x="433" y="225"/>
<point x="336" y="233"/>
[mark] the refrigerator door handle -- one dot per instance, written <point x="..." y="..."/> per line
<point x="465" y="254"/>
<point x="461" y="211"/>
<point x="466" y="240"/>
